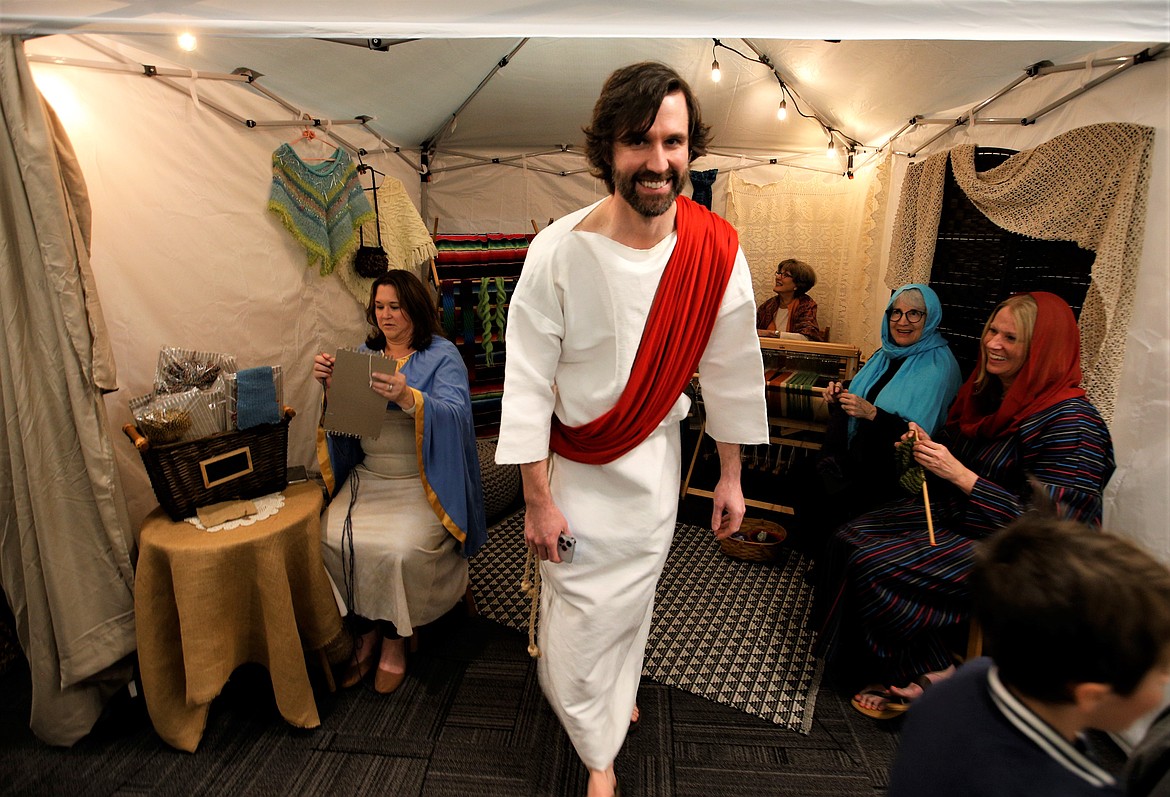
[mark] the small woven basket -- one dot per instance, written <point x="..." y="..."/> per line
<point x="239" y="464"/>
<point x="756" y="541"/>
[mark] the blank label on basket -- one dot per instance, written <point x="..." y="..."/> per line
<point x="354" y="408"/>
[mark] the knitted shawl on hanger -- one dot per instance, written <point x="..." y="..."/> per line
<point x="322" y="204"/>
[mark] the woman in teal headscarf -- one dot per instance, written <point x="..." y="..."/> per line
<point x="912" y="377"/>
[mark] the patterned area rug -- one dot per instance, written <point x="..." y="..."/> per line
<point x="730" y="631"/>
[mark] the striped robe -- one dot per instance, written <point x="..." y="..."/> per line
<point x="898" y="595"/>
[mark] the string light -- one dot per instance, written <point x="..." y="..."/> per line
<point x="833" y="148"/>
<point x="187" y="42"/>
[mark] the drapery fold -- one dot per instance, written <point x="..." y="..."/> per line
<point x="1089" y="185"/>
<point x="64" y="531"/>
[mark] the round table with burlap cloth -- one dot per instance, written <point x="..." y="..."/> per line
<point x="207" y="602"/>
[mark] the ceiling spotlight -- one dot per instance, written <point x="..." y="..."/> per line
<point x="782" y="111"/>
<point x="715" y="73"/>
<point x="831" y="149"/>
<point x="186" y="42"/>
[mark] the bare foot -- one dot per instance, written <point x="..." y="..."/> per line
<point x="602" y="782"/>
<point x="391" y="666"/>
<point x="362" y="658"/>
<point x="875" y="697"/>
<point x="393" y="656"/>
<point x="366" y="644"/>
<point x="914" y="690"/>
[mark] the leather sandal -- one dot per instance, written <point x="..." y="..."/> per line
<point x="895" y="706"/>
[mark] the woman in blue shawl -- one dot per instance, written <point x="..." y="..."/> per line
<point x="912" y="377"/>
<point x="410" y="505"/>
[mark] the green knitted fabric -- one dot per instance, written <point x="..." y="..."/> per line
<point x="484" y="311"/>
<point x="910" y="473"/>
<point x="492" y="316"/>
<point x="322" y="205"/>
<point x="501" y="311"/>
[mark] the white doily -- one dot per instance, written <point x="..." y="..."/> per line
<point x="266" y="507"/>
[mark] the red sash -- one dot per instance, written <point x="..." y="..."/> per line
<point x="678" y="327"/>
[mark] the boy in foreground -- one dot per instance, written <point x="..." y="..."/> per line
<point x="1077" y="623"/>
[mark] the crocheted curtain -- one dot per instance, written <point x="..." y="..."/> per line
<point x="817" y="220"/>
<point x="1088" y="185"/>
<point x="404" y="235"/>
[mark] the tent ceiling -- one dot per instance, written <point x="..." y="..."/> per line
<point x="1128" y="20"/>
<point x="896" y="58"/>
<point x="867" y="89"/>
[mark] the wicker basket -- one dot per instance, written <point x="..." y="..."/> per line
<point x="239" y="464"/>
<point x="745" y="545"/>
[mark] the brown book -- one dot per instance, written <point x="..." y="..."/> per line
<point x="354" y="408"/>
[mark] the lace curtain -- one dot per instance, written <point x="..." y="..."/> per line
<point x="827" y="221"/>
<point x="1088" y="185"/>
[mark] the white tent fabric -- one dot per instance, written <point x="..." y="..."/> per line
<point x="866" y="89"/>
<point x="185" y="254"/>
<point x="1133" y="20"/>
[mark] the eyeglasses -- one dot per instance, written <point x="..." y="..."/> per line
<point x="913" y="316"/>
<point x="787" y="274"/>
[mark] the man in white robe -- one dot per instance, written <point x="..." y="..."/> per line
<point x="574" y="328"/>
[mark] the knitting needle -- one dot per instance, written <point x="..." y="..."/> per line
<point x="926" y="502"/>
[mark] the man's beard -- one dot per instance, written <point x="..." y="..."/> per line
<point x="626" y="185"/>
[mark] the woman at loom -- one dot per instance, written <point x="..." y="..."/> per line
<point x="791" y="313"/>
<point x="399" y="538"/>
<point x="1022" y="414"/>
<point x="912" y="377"/>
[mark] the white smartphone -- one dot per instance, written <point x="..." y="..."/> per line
<point x="566" y="545"/>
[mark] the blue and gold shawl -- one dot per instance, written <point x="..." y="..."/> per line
<point x="444" y="441"/>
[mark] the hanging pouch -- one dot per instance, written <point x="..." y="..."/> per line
<point x="371" y="261"/>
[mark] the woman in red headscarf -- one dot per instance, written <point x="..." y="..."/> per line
<point x="1022" y="414"/>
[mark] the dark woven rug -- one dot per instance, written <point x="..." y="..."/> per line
<point x="730" y="631"/>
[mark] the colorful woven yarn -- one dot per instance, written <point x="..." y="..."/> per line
<point x="448" y="300"/>
<point x="322" y="205"/>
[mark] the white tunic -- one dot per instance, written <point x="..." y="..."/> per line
<point x="575" y="322"/>
<point x="407" y="566"/>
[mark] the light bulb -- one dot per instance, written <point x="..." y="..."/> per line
<point x="782" y="111"/>
<point x="186" y="42"/>
<point x="715" y="73"/>
<point x="831" y="149"/>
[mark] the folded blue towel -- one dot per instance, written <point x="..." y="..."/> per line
<point x="255" y="398"/>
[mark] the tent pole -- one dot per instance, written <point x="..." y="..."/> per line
<point x="1117" y="70"/>
<point x="433" y="140"/>
<point x="150" y="70"/>
<point x="1120" y="64"/>
<point x="122" y="63"/>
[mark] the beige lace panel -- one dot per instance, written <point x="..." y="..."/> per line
<point x="1088" y="185"/>
<point x="815" y="219"/>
